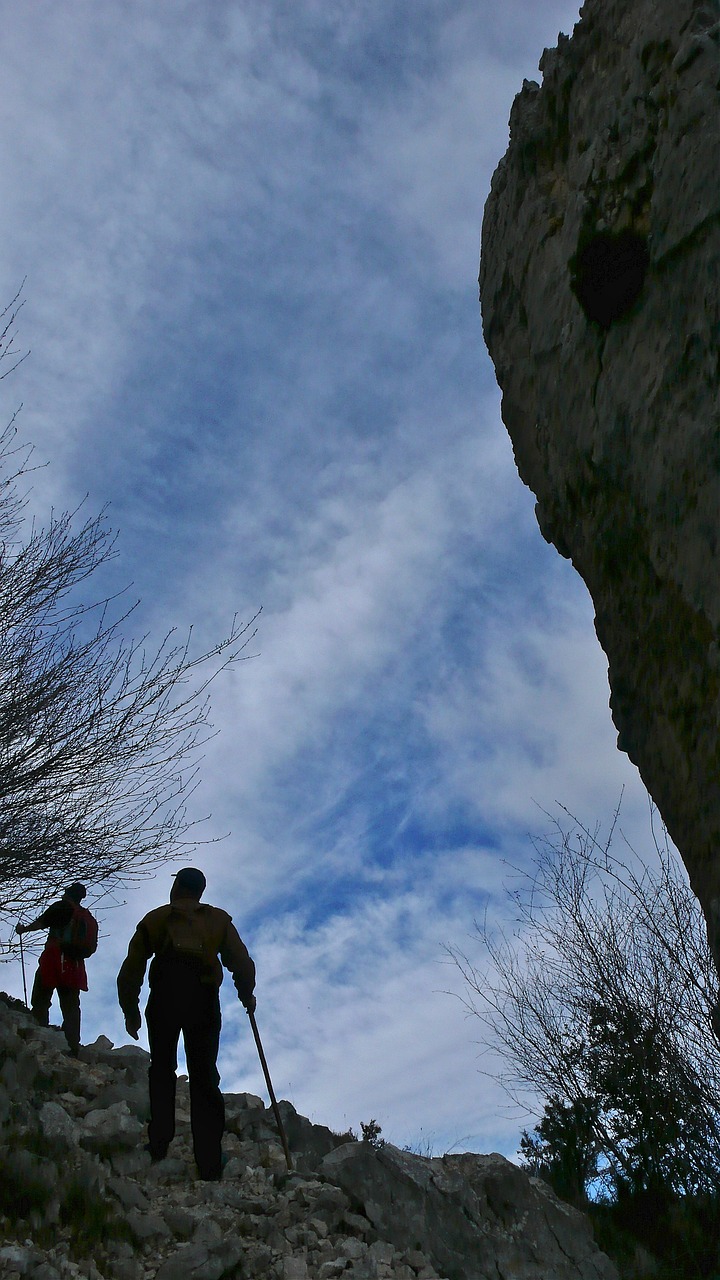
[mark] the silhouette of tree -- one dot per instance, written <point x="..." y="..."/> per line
<point x="601" y="1003"/>
<point x="563" y="1148"/>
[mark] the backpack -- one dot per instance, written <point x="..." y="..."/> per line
<point x="80" y="936"/>
<point x="185" y="939"/>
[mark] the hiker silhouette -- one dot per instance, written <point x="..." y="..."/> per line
<point x="189" y="942"/>
<point x="71" y="939"/>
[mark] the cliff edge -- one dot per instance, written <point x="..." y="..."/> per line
<point x="600" y="292"/>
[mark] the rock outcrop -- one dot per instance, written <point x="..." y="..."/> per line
<point x="79" y="1195"/>
<point x="600" y="291"/>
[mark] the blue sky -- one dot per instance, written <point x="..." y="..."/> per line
<point x="251" y="235"/>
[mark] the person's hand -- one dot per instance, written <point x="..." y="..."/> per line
<point x="250" y="1004"/>
<point x="19" y="928"/>
<point x="132" y="1024"/>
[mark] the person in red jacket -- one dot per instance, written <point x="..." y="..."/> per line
<point x="189" y="942"/>
<point x="58" y="971"/>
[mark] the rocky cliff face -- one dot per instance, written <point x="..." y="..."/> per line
<point x="80" y="1197"/>
<point x="600" y="290"/>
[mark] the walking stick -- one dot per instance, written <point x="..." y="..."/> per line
<point x="22" y="966"/>
<point x="268" y="1081"/>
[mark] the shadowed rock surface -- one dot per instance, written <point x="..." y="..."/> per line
<point x="600" y="291"/>
<point x="80" y="1197"/>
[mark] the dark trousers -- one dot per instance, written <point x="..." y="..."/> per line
<point x="179" y="1001"/>
<point x="69" y="998"/>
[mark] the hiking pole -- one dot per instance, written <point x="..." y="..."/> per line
<point x="22" y="966"/>
<point x="268" y="1081"/>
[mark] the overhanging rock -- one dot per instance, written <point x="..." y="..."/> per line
<point x="600" y="291"/>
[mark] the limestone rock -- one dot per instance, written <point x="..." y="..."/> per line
<point x="474" y="1216"/>
<point x="600" y="290"/>
<point x="106" y="1129"/>
<point x="75" y="1136"/>
<point x="57" y="1125"/>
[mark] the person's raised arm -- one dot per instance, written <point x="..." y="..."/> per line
<point x="55" y="916"/>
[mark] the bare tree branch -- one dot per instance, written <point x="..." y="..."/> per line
<point x="604" y="990"/>
<point x="100" y="736"/>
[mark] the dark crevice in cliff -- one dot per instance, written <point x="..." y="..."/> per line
<point x="607" y="274"/>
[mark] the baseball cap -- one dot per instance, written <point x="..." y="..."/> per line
<point x="191" y="880"/>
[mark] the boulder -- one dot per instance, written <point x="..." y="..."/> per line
<point x="57" y="1125"/>
<point x="476" y="1217"/>
<point x="111" y="1128"/>
<point x="308" y="1142"/>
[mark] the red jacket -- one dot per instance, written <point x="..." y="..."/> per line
<point x="56" y="969"/>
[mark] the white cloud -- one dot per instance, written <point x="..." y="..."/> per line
<point x="434" y="154"/>
<point x="531" y="723"/>
<point x="357" y="1010"/>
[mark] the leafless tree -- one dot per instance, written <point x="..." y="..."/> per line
<point x="100" y="735"/>
<point x="601" y="998"/>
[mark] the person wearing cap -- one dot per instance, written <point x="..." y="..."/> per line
<point x="189" y="942"/>
<point x="58" y="971"/>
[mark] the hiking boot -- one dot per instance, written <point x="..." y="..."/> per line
<point x="214" y="1172"/>
<point x="156" y="1153"/>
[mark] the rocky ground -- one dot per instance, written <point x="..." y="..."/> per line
<point x="79" y="1195"/>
